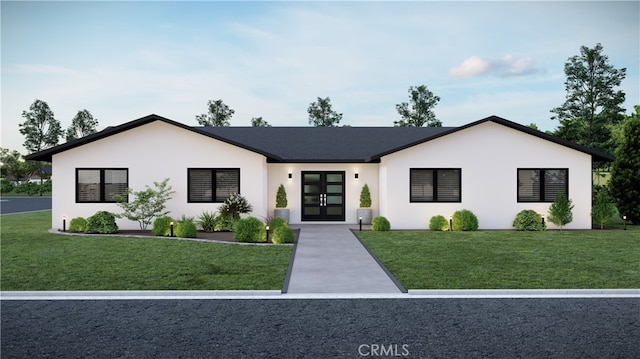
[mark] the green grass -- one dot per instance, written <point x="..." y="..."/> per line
<point x="33" y="259"/>
<point x="510" y="259"/>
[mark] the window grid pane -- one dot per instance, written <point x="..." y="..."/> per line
<point x="200" y="185"/>
<point x="529" y="185"/>
<point x="227" y="183"/>
<point x="448" y="188"/>
<point x="421" y="185"/>
<point x="115" y="182"/>
<point x="88" y="186"/>
<point x="555" y="181"/>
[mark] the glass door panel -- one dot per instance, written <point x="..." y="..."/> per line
<point x="323" y="196"/>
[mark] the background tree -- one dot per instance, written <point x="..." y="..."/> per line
<point x="322" y="115"/>
<point x="41" y="129"/>
<point x="419" y="110"/>
<point x="259" y="122"/>
<point x="13" y="167"/>
<point x="624" y="184"/>
<point x="592" y="105"/>
<point x="83" y="124"/>
<point x="218" y="116"/>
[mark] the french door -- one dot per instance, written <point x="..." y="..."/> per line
<point x="323" y="196"/>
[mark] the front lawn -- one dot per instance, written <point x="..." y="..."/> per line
<point x="33" y="259"/>
<point x="510" y="259"/>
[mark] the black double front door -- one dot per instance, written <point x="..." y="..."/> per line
<point x="323" y="196"/>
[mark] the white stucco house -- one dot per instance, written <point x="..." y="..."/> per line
<point x="493" y="167"/>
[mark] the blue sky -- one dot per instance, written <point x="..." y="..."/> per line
<point x="125" y="60"/>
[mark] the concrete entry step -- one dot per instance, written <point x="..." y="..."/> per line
<point x="330" y="259"/>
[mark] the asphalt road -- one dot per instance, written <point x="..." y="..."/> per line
<point x="24" y="204"/>
<point x="319" y="328"/>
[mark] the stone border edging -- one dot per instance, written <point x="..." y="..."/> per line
<point x="277" y="294"/>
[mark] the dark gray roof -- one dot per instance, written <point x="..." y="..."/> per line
<point x="317" y="144"/>
<point x="324" y="144"/>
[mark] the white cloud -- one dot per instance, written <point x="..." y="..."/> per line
<point x="504" y="67"/>
<point x="473" y="66"/>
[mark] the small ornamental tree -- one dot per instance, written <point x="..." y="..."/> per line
<point x="147" y="204"/>
<point x="603" y="210"/>
<point x="560" y="211"/>
<point x="281" y="197"/>
<point x="365" y="197"/>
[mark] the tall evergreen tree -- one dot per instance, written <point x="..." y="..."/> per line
<point x="219" y="115"/>
<point x="418" y="111"/>
<point x="624" y="185"/>
<point x="593" y="102"/>
<point x="41" y="129"/>
<point x="83" y="124"/>
<point x="322" y="115"/>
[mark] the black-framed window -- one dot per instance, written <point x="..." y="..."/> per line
<point x="100" y="184"/>
<point x="435" y="185"/>
<point x="542" y="185"/>
<point x="212" y="184"/>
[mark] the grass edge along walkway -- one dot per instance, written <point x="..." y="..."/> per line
<point x="510" y="259"/>
<point x="33" y="259"/>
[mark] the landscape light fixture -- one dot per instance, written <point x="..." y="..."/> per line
<point x="542" y="216"/>
<point x="360" y="221"/>
<point x="267" y="228"/>
<point x="450" y="223"/>
<point x="171" y="224"/>
<point x="64" y="223"/>
<point x="624" y="220"/>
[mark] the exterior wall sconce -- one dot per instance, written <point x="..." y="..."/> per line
<point x="624" y="220"/>
<point x="290" y="175"/>
<point x="64" y="223"/>
<point x="356" y="175"/>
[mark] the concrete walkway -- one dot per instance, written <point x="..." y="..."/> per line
<point x="330" y="259"/>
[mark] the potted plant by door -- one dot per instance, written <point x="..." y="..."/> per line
<point x="281" y="210"/>
<point x="364" y="212"/>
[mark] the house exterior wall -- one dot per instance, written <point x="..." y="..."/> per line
<point x="489" y="155"/>
<point x="279" y="174"/>
<point x="153" y="152"/>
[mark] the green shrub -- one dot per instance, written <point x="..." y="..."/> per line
<point x="528" y="220"/>
<point x="102" y="222"/>
<point x="283" y="235"/>
<point x="465" y="220"/>
<point x="234" y="206"/>
<point x="249" y="229"/>
<point x="276" y="223"/>
<point x="281" y="197"/>
<point x="603" y="210"/>
<point x="186" y="228"/>
<point x="365" y="197"/>
<point x="224" y="223"/>
<point x="380" y="224"/>
<point x="78" y="225"/>
<point x="162" y="226"/>
<point x="438" y="223"/>
<point x="207" y="221"/>
<point x="6" y="186"/>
